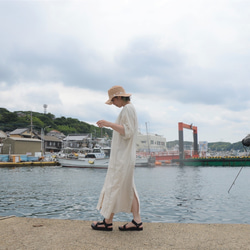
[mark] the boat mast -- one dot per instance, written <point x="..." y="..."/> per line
<point x="147" y="137"/>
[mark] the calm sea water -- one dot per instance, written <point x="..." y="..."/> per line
<point x="167" y="194"/>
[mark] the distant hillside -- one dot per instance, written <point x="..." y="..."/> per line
<point x="214" y="146"/>
<point x="10" y="121"/>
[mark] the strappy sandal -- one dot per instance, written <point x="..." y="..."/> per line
<point x="136" y="228"/>
<point x="107" y="227"/>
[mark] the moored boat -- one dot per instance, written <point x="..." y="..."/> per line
<point x="95" y="159"/>
<point x="84" y="162"/>
<point x="148" y="161"/>
<point x="98" y="159"/>
<point x="100" y="163"/>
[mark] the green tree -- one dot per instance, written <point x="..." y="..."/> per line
<point x="9" y="117"/>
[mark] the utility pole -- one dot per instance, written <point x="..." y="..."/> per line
<point x="31" y="124"/>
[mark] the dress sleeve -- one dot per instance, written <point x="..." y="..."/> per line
<point x="128" y="120"/>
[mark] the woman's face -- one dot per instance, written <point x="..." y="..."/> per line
<point x="117" y="101"/>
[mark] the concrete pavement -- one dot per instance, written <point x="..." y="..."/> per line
<point x="30" y="233"/>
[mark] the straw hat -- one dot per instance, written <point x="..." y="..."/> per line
<point x="116" y="91"/>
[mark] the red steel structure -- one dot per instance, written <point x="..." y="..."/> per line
<point x="181" y="126"/>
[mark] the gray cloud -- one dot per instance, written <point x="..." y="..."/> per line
<point x="171" y="75"/>
<point x="143" y="58"/>
<point x="175" y="60"/>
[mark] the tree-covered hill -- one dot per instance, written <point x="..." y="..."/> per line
<point x="10" y="121"/>
<point x="225" y="146"/>
<point x="213" y="146"/>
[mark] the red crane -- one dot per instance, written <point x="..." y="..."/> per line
<point x="181" y="126"/>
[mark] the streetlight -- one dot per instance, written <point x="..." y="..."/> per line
<point x="42" y="139"/>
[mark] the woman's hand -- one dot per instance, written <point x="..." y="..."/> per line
<point x="103" y="123"/>
<point x="116" y="127"/>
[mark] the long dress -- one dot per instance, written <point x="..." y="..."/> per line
<point x="118" y="190"/>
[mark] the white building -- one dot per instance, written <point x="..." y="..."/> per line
<point x="151" y="142"/>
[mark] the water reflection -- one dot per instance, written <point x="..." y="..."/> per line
<point x="187" y="192"/>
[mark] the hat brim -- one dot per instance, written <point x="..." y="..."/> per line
<point x="109" y="101"/>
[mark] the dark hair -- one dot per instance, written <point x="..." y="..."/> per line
<point x="126" y="98"/>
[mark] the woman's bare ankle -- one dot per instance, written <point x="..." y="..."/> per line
<point x="137" y="219"/>
<point x="108" y="221"/>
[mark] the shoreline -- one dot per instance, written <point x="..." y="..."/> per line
<point x="36" y="233"/>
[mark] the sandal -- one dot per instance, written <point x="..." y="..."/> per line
<point x="107" y="227"/>
<point x="136" y="228"/>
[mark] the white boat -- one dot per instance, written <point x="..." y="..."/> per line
<point x="84" y="162"/>
<point x="146" y="161"/>
<point x="100" y="162"/>
<point x="95" y="159"/>
<point x="98" y="159"/>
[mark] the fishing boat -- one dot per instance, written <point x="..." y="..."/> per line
<point x="144" y="161"/>
<point x="99" y="163"/>
<point x="98" y="159"/>
<point x="95" y="159"/>
<point x="83" y="162"/>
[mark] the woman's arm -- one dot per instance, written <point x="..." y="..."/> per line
<point x="118" y="128"/>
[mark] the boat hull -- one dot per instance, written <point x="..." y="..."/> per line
<point x="85" y="163"/>
<point x="100" y="162"/>
<point x="145" y="162"/>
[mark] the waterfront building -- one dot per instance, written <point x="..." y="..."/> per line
<point x="22" y="133"/>
<point x="151" y="143"/>
<point x="77" y="141"/>
<point x="57" y="134"/>
<point x="50" y="143"/>
<point x="46" y="143"/>
<point x="19" y="145"/>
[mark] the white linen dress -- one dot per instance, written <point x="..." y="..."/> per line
<point x="118" y="190"/>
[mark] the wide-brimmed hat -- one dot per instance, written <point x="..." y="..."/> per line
<point x="116" y="91"/>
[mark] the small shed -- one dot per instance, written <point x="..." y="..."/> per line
<point x="16" y="145"/>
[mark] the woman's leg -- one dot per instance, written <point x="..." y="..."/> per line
<point x="136" y="209"/>
<point x="110" y="220"/>
<point x="136" y="215"/>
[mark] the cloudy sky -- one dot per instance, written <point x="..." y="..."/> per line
<point x="183" y="61"/>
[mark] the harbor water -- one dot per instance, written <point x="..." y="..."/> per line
<point x="169" y="194"/>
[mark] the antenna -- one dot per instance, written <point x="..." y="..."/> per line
<point x="45" y="106"/>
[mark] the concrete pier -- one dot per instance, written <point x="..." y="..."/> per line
<point x="29" y="164"/>
<point x="53" y="234"/>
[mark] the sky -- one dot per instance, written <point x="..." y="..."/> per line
<point x="182" y="61"/>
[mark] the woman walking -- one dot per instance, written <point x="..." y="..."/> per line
<point x="119" y="192"/>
